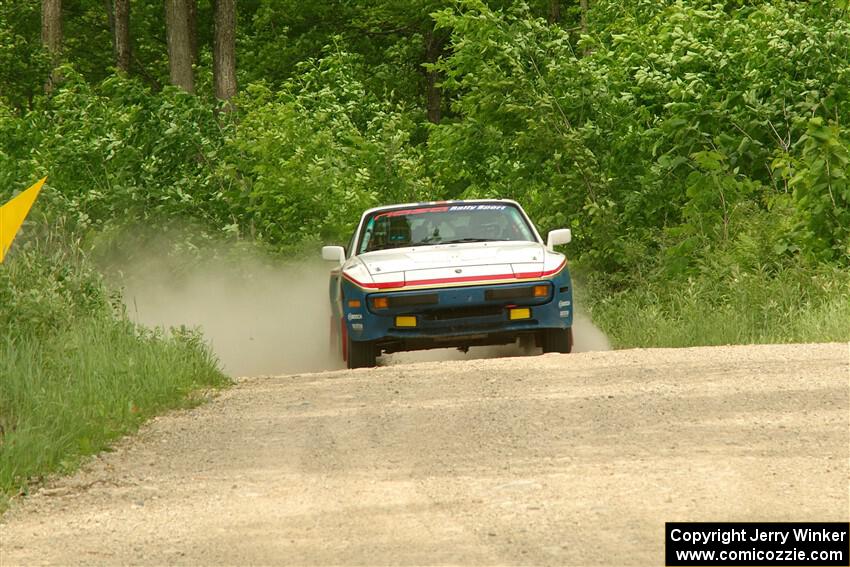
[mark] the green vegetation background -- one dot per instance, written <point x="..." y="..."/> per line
<point x="698" y="150"/>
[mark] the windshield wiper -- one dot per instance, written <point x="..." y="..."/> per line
<point x="460" y="240"/>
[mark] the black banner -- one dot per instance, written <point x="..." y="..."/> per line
<point x="757" y="543"/>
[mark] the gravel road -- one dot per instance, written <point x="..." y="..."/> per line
<point x="549" y="460"/>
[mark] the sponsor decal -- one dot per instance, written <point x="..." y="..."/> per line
<point x="563" y="304"/>
<point x="421" y="210"/>
<point x="478" y="207"/>
<point x="564" y="313"/>
<point x="405" y="212"/>
<point x="357" y="326"/>
<point x="354" y="316"/>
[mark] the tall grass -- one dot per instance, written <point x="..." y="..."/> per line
<point x="74" y="372"/>
<point x="70" y="396"/>
<point x="794" y="305"/>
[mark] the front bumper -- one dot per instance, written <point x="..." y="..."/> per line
<point x="452" y="316"/>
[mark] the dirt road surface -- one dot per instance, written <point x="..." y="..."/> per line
<point x="550" y="460"/>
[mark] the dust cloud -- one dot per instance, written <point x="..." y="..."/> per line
<point x="264" y="318"/>
<point x="259" y="318"/>
<point x="588" y="337"/>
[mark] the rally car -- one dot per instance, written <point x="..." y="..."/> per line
<point x="448" y="274"/>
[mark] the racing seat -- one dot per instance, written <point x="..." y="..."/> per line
<point x="399" y="232"/>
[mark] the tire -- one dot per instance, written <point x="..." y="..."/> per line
<point x="557" y="340"/>
<point x="360" y="354"/>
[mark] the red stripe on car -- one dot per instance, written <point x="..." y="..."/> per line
<point x="461" y="279"/>
<point x="412" y="212"/>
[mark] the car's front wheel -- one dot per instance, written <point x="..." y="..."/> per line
<point x="360" y="354"/>
<point x="557" y="340"/>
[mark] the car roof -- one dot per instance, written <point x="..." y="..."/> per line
<point x="431" y="203"/>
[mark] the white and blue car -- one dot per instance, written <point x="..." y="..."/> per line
<point x="448" y="274"/>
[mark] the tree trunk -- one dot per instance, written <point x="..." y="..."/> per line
<point x="121" y="37"/>
<point x="179" y="44"/>
<point x="224" y="49"/>
<point x="583" y="4"/>
<point x="193" y="29"/>
<point x="554" y="11"/>
<point x="433" y="96"/>
<point x="51" y="37"/>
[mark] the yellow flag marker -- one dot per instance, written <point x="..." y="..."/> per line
<point x="12" y="216"/>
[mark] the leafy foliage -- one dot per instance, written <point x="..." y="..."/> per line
<point x="322" y="150"/>
<point x="23" y="62"/>
<point x="74" y="372"/>
<point x="666" y="134"/>
<point x="661" y="130"/>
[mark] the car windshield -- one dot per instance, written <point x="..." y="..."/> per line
<point x="443" y="224"/>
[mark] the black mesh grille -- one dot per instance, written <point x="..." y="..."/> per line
<point x="509" y="293"/>
<point x="463" y="312"/>
<point x="418" y="299"/>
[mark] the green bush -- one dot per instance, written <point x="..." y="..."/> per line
<point x="74" y="372"/>
<point x="795" y="305"/>
<point x="310" y="158"/>
<point x="115" y="153"/>
<point x="661" y="123"/>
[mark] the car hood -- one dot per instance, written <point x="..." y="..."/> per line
<point x="448" y="263"/>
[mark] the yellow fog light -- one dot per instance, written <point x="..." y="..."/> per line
<point x="405" y="321"/>
<point x="541" y="290"/>
<point x="520" y="313"/>
<point x="354" y="303"/>
<point x="380" y="302"/>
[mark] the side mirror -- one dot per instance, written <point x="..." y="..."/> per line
<point x="334" y="254"/>
<point x="560" y="236"/>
